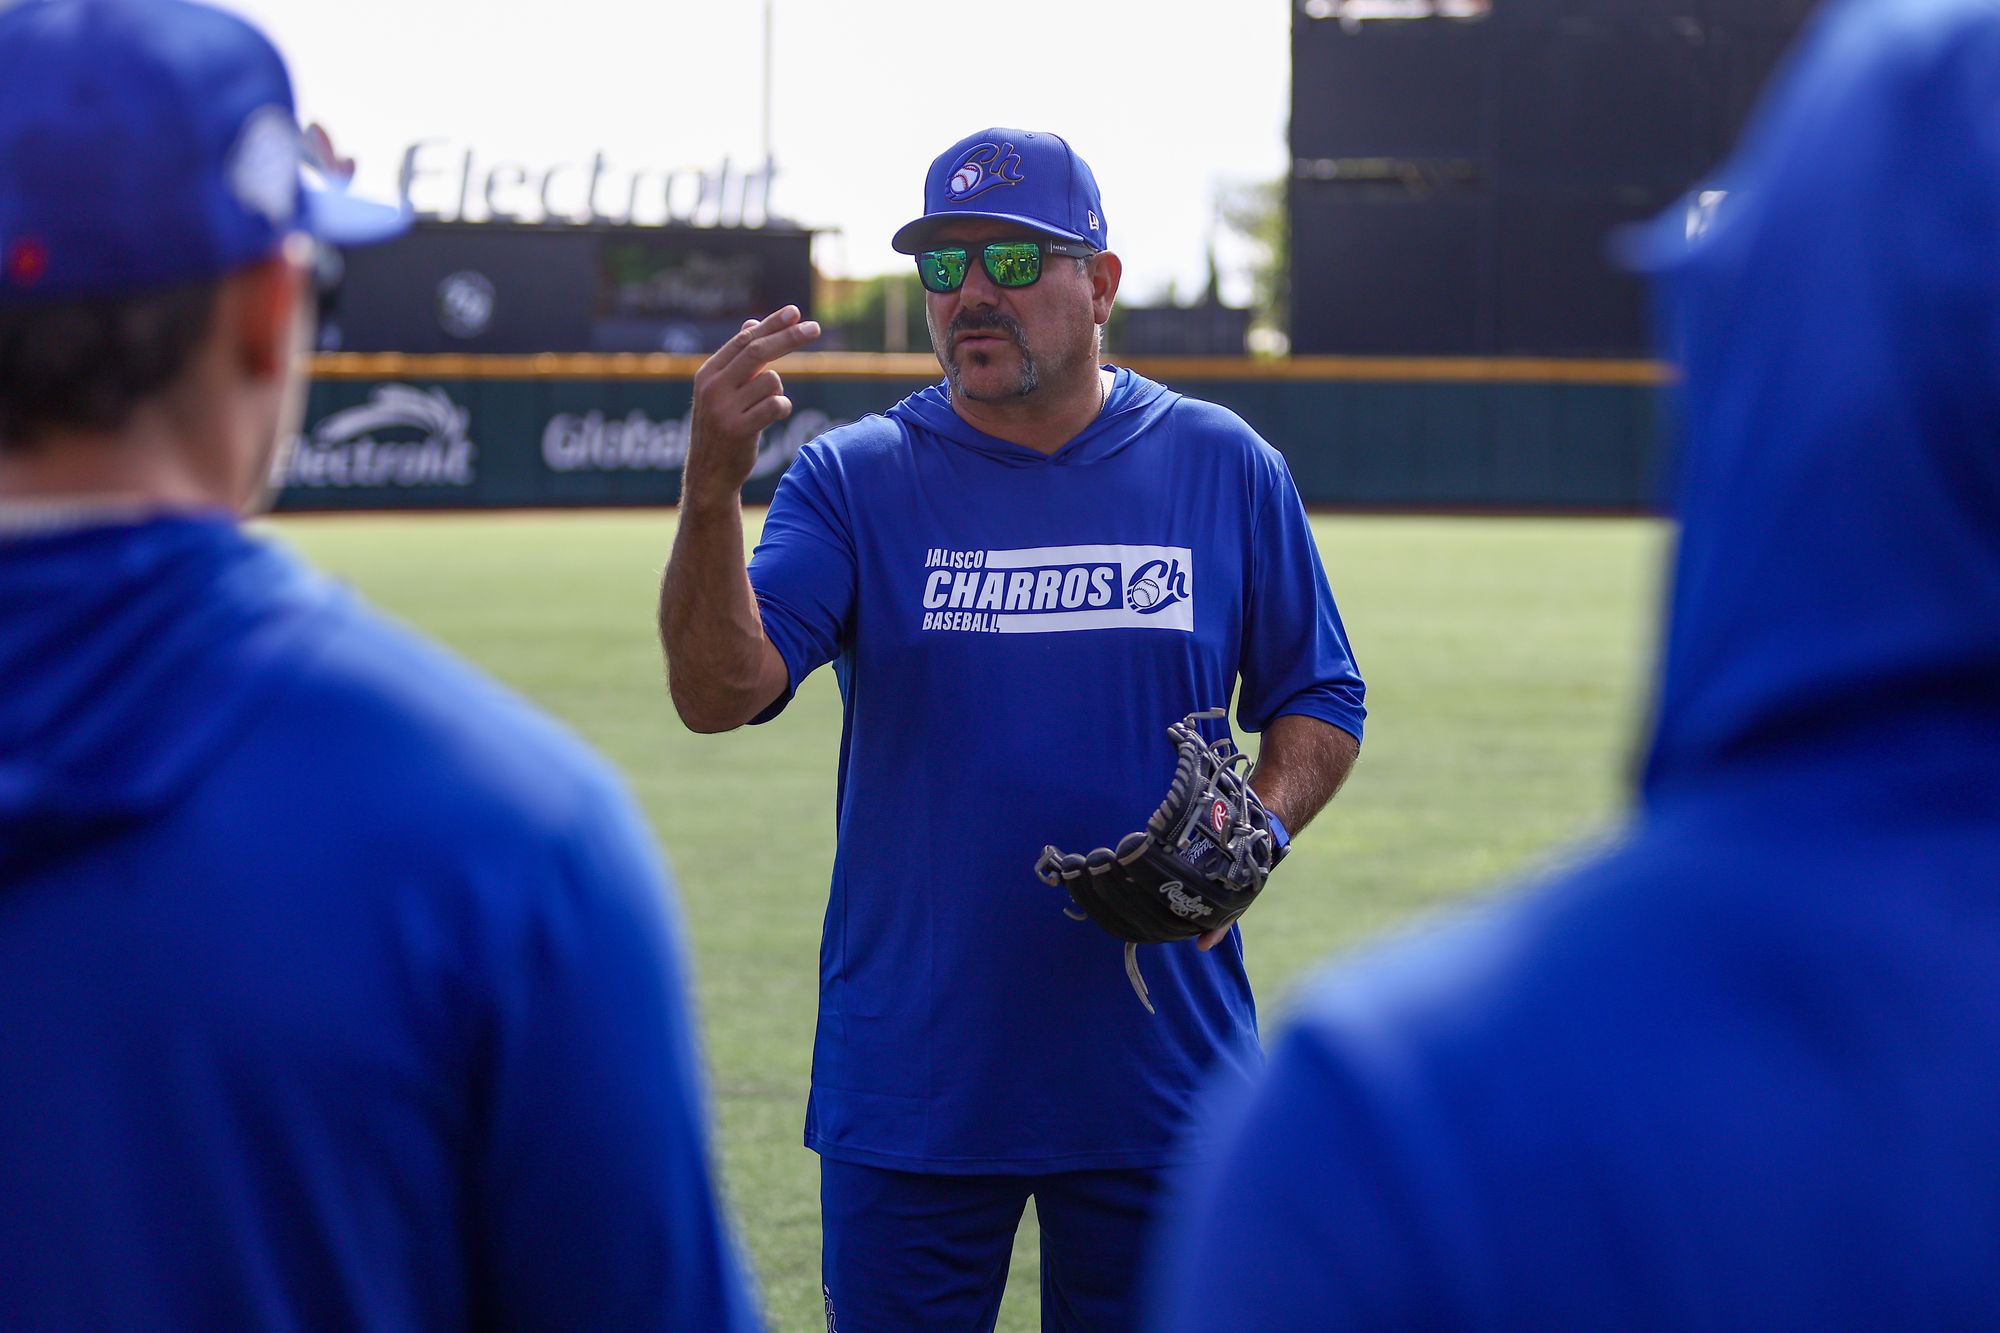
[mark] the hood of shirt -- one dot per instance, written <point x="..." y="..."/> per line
<point x="1132" y="407"/>
<point x="132" y="654"/>
<point x="1836" y="589"/>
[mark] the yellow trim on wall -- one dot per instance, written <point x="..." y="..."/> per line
<point x="923" y="366"/>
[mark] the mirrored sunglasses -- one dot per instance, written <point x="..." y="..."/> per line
<point x="1008" y="263"/>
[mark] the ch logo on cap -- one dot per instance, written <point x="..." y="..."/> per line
<point x="984" y="166"/>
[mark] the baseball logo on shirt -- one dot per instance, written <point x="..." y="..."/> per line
<point x="1157" y="585"/>
<point x="1058" y="589"/>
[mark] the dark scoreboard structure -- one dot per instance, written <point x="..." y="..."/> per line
<point x="1457" y="167"/>
<point x="501" y="287"/>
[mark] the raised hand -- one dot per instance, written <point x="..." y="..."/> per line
<point x="736" y="395"/>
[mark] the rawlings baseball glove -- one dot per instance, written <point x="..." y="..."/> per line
<point x="1198" y="864"/>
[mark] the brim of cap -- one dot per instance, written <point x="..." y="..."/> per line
<point x="339" y="218"/>
<point x="910" y="237"/>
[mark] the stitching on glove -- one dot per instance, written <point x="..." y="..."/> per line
<point x="1196" y="866"/>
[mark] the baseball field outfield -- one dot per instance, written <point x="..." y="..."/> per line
<point x="1507" y="662"/>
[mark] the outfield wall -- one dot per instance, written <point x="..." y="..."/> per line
<point x="455" y="432"/>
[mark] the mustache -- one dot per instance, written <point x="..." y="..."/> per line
<point x="986" y="321"/>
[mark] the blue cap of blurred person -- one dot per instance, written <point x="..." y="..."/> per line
<point x="147" y="143"/>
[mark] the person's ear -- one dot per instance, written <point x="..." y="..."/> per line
<point x="1104" y="270"/>
<point x="261" y="306"/>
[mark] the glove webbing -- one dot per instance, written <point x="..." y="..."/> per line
<point x="1200" y="768"/>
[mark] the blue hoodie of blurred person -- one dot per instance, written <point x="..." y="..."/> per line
<point x="338" y="988"/>
<point x="1743" y="1070"/>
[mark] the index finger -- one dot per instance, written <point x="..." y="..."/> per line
<point x="763" y="349"/>
<point x="782" y="318"/>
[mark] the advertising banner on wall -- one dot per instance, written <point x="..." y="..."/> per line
<point x="528" y="443"/>
<point x="1413" y="436"/>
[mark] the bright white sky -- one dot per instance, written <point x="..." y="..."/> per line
<point x="1166" y="99"/>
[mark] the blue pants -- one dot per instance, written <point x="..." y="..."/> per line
<point x="909" y="1252"/>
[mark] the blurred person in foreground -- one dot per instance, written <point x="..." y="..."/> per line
<point x="980" y="562"/>
<point x="338" y="988"/>
<point x="1742" y="1070"/>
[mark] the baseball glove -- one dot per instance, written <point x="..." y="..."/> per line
<point x="1198" y="864"/>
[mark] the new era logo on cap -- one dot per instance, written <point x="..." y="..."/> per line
<point x="23" y="262"/>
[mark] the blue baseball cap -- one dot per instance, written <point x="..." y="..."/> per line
<point x="1024" y="176"/>
<point x="145" y="143"/>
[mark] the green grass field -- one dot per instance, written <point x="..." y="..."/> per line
<point x="1507" y="663"/>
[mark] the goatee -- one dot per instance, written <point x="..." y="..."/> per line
<point x="967" y="321"/>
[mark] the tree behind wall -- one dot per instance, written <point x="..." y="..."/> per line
<point x="1256" y="211"/>
<point x="856" y="314"/>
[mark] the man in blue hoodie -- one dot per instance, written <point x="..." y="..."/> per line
<point x="1743" y="1069"/>
<point x="338" y="988"/>
<point x="1022" y="575"/>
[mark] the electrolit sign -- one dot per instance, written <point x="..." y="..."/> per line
<point x="402" y="436"/>
<point x="451" y="182"/>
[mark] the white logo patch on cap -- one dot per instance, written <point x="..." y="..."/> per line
<point x="263" y="168"/>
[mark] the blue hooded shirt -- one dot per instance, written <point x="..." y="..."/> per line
<point x="1012" y="633"/>
<point x="1742" y="1070"/>
<point x="338" y="988"/>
